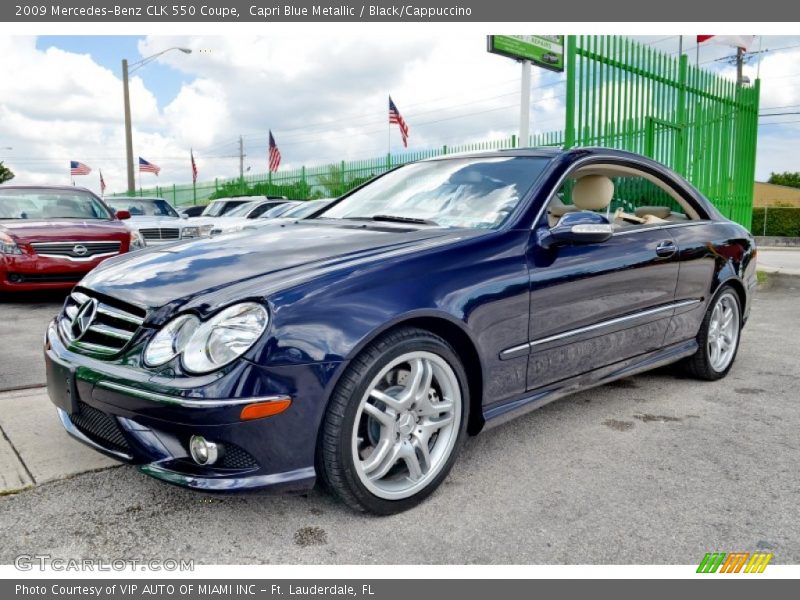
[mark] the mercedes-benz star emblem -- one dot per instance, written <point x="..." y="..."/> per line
<point x="80" y="250"/>
<point x="83" y="320"/>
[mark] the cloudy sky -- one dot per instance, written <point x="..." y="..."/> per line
<point x="324" y="97"/>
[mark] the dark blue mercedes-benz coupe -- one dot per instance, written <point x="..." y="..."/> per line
<point x="360" y="345"/>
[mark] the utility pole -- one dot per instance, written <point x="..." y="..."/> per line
<point x="128" y="133"/>
<point x="739" y="65"/>
<point x="241" y="158"/>
<point x="525" y="105"/>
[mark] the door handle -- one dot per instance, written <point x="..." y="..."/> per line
<point x="666" y="249"/>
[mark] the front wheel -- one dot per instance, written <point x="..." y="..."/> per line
<point x="718" y="338"/>
<point x="395" y="422"/>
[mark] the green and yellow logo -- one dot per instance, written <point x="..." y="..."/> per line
<point x="734" y="562"/>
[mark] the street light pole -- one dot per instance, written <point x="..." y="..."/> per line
<point x="128" y="132"/>
<point x="126" y="70"/>
<point x="525" y="105"/>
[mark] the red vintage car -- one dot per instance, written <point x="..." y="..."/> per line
<point x="50" y="237"/>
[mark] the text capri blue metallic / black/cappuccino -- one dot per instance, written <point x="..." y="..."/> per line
<point x="361" y="344"/>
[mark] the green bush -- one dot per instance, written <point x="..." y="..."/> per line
<point x="784" y="222"/>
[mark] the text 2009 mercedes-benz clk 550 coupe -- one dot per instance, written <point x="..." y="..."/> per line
<point x="362" y="344"/>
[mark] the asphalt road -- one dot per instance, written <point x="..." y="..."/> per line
<point x="656" y="469"/>
<point x="23" y="321"/>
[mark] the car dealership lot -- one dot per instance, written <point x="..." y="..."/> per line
<point x="652" y="469"/>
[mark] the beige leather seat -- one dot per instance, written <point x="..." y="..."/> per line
<point x="593" y="192"/>
<point x="557" y="209"/>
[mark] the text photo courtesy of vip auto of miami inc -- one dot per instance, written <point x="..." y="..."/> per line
<point x="399" y="300"/>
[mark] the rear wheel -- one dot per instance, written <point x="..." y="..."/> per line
<point x="395" y="422"/>
<point x="718" y="338"/>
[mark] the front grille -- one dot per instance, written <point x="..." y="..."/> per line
<point x="76" y="249"/>
<point x="236" y="458"/>
<point x="99" y="326"/>
<point x="44" y="277"/>
<point x="155" y="234"/>
<point x="99" y="427"/>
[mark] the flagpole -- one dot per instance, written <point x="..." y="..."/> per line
<point x="389" y="140"/>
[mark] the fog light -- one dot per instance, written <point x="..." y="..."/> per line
<point x="203" y="452"/>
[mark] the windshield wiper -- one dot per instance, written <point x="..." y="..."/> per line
<point x="397" y="219"/>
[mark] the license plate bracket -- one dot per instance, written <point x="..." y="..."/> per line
<point x="61" y="385"/>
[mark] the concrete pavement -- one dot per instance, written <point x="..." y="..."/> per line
<point x="785" y="261"/>
<point x="655" y="469"/>
<point x="34" y="448"/>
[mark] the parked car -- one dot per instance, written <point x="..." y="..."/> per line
<point x="223" y="206"/>
<point x="51" y="236"/>
<point x="157" y="220"/>
<point x="362" y="345"/>
<point x="299" y="210"/>
<point x="192" y="211"/>
<point x="239" y="217"/>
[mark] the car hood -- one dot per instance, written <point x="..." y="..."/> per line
<point x="25" y="230"/>
<point x="209" y="273"/>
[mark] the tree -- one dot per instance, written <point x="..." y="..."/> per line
<point x="6" y="174"/>
<point x="787" y="178"/>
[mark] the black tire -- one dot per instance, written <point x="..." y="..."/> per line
<point x="335" y="462"/>
<point x="699" y="365"/>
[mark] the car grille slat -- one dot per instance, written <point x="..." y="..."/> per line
<point x="92" y="325"/>
<point x="159" y="234"/>
<point x="68" y="249"/>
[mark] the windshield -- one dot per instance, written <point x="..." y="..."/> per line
<point x="478" y="193"/>
<point x="139" y="207"/>
<point x="306" y="208"/>
<point x="277" y="211"/>
<point x="222" y="207"/>
<point x="44" y="204"/>
<point x="240" y="211"/>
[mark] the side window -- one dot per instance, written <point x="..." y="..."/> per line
<point x="635" y="200"/>
<point x="642" y="198"/>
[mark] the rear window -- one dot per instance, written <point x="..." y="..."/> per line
<point x="144" y="208"/>
<point x="45" y="205"/>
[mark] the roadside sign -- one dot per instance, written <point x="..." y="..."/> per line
<point x="546" y="51"/>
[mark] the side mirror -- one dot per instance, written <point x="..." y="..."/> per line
<point x="184" y="216"/>
<point x="582" y="227"/>
<point x="123" y="214"/>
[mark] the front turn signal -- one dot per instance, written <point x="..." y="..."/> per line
<point x="259" y="410"/>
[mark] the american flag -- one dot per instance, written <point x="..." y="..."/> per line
<point x="274" y="154"/>
<point x="194" y="167"/>
<point x="102" y="184"/>
<point x="148" y="167"/>
<point x="395" y="117"/>
<point x="78" y="168"/>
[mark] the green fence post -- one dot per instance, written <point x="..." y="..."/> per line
<point x="569" y="125"/>
<point x="174" y="195"/>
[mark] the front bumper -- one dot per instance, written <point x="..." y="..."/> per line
<point x="30" y="272"/>
<point x="121" y="413"/>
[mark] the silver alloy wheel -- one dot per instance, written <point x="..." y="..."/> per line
<point x="723" y="331"/>
<point x="406" y="425"/>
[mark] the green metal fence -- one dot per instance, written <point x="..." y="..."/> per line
<point x="623" y="94"/>
<point x="620" y="94"/>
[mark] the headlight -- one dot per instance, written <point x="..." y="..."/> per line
<point x="8" y="245"/>
<point x="137" y="241"/>
<point x="190" y="232"/>
<point x="225" y="337"/>
<point x="170" y="341"/>
<point x="205" y="347"/>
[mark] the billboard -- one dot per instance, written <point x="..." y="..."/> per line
<point x="546" y="51"/>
